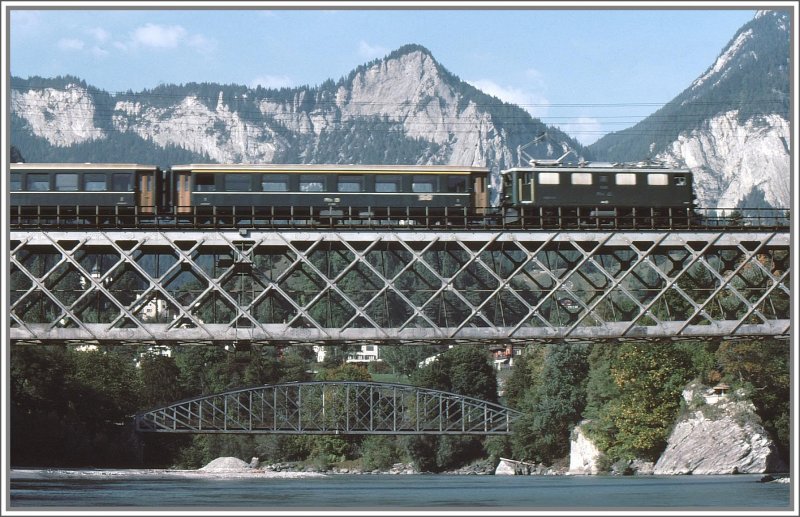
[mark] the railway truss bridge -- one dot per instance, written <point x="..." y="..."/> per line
<point x="330" y="407"/>
<point x="395" y="286"/>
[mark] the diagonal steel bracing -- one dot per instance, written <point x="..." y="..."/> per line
<point x="395" y="286"/>
<point x="330" y="407"/>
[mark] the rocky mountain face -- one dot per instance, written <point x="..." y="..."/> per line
<point x="405" y="108"/>
<point x="730" y="126"/>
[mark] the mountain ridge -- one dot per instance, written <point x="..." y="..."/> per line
<point x="730" y="126"/>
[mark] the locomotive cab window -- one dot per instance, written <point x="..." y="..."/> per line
<point x="581" y="178"/>
<point x="549" y="178"/>
<point x="456" y="184"/>
<point x="390" y="183"/>
<point x="657" y="179"/>
<point x="626" y="178"/>
<point x="204" y="183"/>
<point x="121" y="182"/>
<point x="16" y="182"/>
<point x="350" y="184"/>
<point x="275" y="183"/>
<point x="312" y="183"/>
<point x="680" y="181"/>
<point x="94" y="182"/>
<point x="423" y="184"/>
<point x="38" y="182"/>
<point x="238" y="183"/>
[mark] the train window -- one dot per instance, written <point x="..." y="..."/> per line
<point x="581" y="178"/>
<point x="350" y="184"/>
<point x="67" y="181"/>
<point x="16" y="182"/>
<point x="456" y="183"/>
<point x="94" y="182"/>
<point x="238" y="183"/>
<point x="626" y="178"/>
<point x="549" y="178"/>
<point x="657" y="179"/>
<point x="121" y="182"/>
<point x="204" y="183"/>
<point x="312" y="183"/>
<point x="275" y="182"/>
<point x="423" y="184"/>
<point x="39" y="182"/>
<point x="388" y="183"/>
<point x="680" y="181"/>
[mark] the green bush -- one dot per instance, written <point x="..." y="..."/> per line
<point x="378" y="367"/>
<point x="379" y="452"/>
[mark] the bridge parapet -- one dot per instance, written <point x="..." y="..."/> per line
<point x="330" y="407"/>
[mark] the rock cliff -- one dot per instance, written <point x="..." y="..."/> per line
<point x="718" y="435"/>
<point x="731" y="158"/>
<point x="583" y="453"/>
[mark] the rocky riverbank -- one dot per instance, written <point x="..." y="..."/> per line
<point x="481" y="468"/>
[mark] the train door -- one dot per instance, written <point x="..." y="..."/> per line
<point x="480" y="196"/>
<point x="146" y="195"/>
<point x="526" y="186"/>
<point x="183" y="192"/>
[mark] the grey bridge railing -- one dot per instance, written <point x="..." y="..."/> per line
<point x="330" y="407"/>
<point x="327" y="287"/>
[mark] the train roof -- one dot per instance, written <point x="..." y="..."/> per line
<point x="331" y="168"/>
<point x="641" y="167"/>
<point x="87" y="166"/>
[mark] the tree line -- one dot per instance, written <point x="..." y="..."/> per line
<point x="73" y="408"/>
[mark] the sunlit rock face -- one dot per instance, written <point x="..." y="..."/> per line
<point x="730" y="159"/>
<point x="722" y="435"/>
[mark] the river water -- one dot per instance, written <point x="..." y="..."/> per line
<point x="126" y="490"/>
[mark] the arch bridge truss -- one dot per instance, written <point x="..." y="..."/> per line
<point x="330" y="407"/>
<point x="328" y="287"/>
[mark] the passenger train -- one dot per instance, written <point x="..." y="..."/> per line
<point x="541" y="195"/>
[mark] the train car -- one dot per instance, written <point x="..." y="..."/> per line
<point x="85" y="189"/>
<point x="641" y="194"/>
<point x="327" y="190"/>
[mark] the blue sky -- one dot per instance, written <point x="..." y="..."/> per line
<point x="586" y="71"/>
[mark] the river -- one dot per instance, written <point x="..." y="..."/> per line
<point x="153" y="490"/>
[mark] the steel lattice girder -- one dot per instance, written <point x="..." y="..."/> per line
<point x="331" y="407"/>
<point x="390" y="286"/>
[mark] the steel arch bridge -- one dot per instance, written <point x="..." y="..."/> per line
<point x="394" y="286"/>
<point x="330" y="407"/>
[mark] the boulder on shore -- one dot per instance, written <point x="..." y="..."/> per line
<point x="226" y="464"/>
<point x="505" y="468"/>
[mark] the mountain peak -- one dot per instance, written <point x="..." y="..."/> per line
<point x="409" y="48"/>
